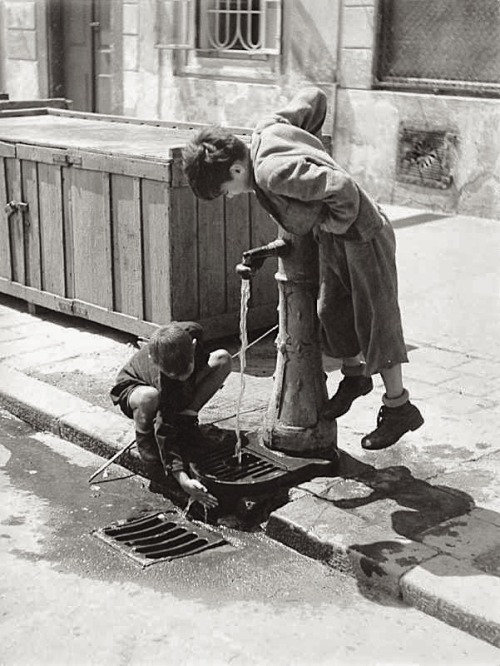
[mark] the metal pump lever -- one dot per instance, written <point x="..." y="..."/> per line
<point x="254" y="258"/>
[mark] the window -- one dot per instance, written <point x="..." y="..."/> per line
<point x="440" y="45"/>
<point x="218" y="27"/>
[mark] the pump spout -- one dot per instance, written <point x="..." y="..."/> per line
<point x="254" y="258"/>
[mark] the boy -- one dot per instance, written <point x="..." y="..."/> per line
<point x="300" y="185"/>
<point x="162" y="388"/>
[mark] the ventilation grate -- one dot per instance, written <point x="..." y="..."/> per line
<point x="158" y="537"/>
<point x="426" y="157"/>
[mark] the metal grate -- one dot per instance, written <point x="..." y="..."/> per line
<point x="222" y="464"/>
<point x="158" y="537"/>
<point x="441" y="45"/>
<point x="426" y="157"/>
<point x="261" y="470"/>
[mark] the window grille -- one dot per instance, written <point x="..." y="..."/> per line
<point x="442" y="45"/>
<point x="221" y="26"/>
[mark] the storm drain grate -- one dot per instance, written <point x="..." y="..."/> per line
<point x="223" y="465"/>
<point x="158" y="537"/>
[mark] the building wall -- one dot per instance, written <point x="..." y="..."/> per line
<point x="23" y="49"/>
<point x="368" y="124"/>
<point x="173" y="85"/>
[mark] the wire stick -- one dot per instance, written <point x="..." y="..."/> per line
<point x="111" y="460"/>
<point x="256" y="341"/>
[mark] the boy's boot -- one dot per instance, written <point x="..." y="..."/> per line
<point x="396" y="417"/>
<point x="354" y="385"/>
<point x="150" y="455"/>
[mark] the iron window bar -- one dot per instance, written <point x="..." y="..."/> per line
<point x="229" y="26"/>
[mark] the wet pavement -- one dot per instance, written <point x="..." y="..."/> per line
<point x="69" y="598"/>
<point x="420" y="519"/>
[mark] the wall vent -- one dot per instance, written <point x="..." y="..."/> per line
<point x="426" y="157"/>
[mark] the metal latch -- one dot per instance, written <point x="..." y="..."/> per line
<point x="15" y="206"/>
<point x="66" y="160"/>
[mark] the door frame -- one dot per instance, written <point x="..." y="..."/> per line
<point x="51" y="19"/>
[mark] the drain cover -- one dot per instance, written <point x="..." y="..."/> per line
<point x="260" y="471"/>
<point x="223" y="465"/>
<point x="158" y="537"/>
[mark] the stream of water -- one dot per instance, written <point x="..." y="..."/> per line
<point x="245" y="296"/>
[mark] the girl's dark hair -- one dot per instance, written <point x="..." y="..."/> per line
<point x="171" y="349"/>
<point x="208" y="158"/>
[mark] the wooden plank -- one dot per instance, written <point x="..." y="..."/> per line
<point x="116" y="320"/>
<point x="122" y="164"/>
<point x="76" y="308"/>
<point x="24" y="112"/>
<point x="31" y="224"/>
<point x="36" y="297"/>
<point x="54" y="102"/>
<point x="16" y="225"/>
<point x="211" y="258"/>
<point x="183" y="254"/>
<point x="243" y="132"/>
<point x="263" y="230"/>
<point x="127" y="245"/>
<point x="7" y="149"/>
<point x="156" y="258"/>
<point x="69" y="241"/>
<point x="51" y="228"/>
<point x="237" y="232"/>
<point x="5" y="263"/>
<point x="96" y="161"/>
<point x="259" y="319"/>
<point x="91" y="221"/>
<point x="214" y="327"/>
<point x="42" y="154"/>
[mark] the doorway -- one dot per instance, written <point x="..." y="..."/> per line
<point x="86" y="49"/>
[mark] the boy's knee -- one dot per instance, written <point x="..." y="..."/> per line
<point x="221" y="361"/>
<point x="143" y="402"/>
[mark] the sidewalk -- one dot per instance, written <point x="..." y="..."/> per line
<point x="421" y="519"/>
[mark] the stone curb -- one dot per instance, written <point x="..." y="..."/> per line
<point x="48" y="408"/>
<point x="456" y="593"/>
<point x="437" y="584"/>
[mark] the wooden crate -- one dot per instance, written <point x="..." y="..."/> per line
<point x="112" y="232"/>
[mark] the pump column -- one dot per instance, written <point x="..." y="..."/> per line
<point x="293" y="423"/>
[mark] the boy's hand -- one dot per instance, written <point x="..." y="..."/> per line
<point x="198" y="492"/>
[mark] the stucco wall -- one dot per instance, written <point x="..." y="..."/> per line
<point x="22" y="52"/>
<point x="365" y="143"/>
<point x="173" y="85"/>
<point x="368" y="122"/>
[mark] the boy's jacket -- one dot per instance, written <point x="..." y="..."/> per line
<point x="298" y="182"/>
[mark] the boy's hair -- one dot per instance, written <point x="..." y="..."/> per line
<point x="208" y="158"/>
<point x="171" y="348"/>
